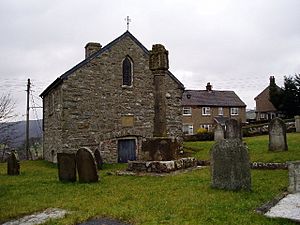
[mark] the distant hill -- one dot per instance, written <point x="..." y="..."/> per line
<point x="17" y="131"/>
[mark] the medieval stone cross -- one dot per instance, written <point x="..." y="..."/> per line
<point x="128" y="20"/>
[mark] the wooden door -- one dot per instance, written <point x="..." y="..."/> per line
<point x="126" y="150"/>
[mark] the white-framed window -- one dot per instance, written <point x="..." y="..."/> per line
<point x="187" y="111"/>
<point x="234" y="111"/>
<point x="205" y="111"/>
<point x="220" y="111"/>
<point x="206" y="126"/>
<point x="188" y="129"/>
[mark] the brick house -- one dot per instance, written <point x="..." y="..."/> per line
<point x="106" y="102"/>
<point x="204" y="108"/>
<point x="264" y="108"/>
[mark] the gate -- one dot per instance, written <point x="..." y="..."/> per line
<point x="126" y="150"/>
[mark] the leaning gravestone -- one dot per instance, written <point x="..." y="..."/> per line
<point x="294" y="176"/>
<point x="277" y="135"/>
<point x="218" y="132"/>
<point x="66" y="167"/>
<point x="98" y="158"/>
<point x="230" y="167"/>
<point x="86" y="165"/>
<point x="233" y="129"/>
<point x="13" y="164"/>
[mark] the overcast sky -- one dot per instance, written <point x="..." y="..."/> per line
<point x="234" y="44"/>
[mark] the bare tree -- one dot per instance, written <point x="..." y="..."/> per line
<point x="7" y="106"/>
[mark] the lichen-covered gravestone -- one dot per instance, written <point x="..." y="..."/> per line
<point x="13" y="164"/>
<point x="233" y="129"/>
<point x="98" y="158"/>
<point x="86" y="165"/>
<point x="277" y="135"/>
<point x="66" y="167"/>
<point x="297" y="123"/>
<point x="218" y="132"/>
<point x="294" y="176"/>
<point x="230" y="168"/>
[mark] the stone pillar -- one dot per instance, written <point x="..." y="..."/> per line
<point x="159" y="65"/>
<point x="297" y="123"/>
<point x="294" y="176"/>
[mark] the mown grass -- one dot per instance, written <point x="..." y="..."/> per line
<point x="258" y="149"/>
<point x="180" y="199"/>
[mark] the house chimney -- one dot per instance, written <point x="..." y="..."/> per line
<point x="208" y="86"/>
<point x="91" y="48"/>
<point x="272" y="80"/>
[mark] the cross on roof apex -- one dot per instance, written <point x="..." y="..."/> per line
<point x="128" y="20"/>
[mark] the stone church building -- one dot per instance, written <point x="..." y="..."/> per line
<point x="107" y="102"/>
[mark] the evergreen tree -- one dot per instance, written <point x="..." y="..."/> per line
<point x="287" y="99"/>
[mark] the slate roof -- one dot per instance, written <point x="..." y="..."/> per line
<point x="211" y="98"/>
<point x="64" y="76"/>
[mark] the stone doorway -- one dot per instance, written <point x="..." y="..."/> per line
<point x="126" y="150"/>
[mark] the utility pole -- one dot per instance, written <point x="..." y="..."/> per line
<point x="27" y="119"/>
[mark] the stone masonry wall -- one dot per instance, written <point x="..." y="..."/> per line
<point x="95" y="104"/>
<point x="52" y="135"/>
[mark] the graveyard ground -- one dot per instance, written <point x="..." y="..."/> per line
<point x="258" y="149"/>
<point x="181" y="199"/>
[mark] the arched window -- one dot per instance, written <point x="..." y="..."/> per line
<point x="127" y="72"/>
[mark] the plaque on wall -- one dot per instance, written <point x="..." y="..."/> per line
<point x="127" y="121"/>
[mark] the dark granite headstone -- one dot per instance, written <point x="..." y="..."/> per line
<point x="13" y="164"/>
<point x="98" y="158"/>
<point x="277" y="135"/>
<point x="86" y="165"/>
<point x="66" y="167"/>
<point x="233" y="129"/>
<point x="230" y="167"/>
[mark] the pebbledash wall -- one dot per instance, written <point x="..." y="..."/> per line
<point x="89" y="106"/>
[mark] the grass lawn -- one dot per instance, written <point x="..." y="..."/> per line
<point x="181" y="199"/>
<point x="258" y="149"/>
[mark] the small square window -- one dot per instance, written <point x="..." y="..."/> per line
<point x="205" y="111"/>
<point x="234" y="111"/>
<point x="187" y="111"/>
<point x="220" y="111"/>
<point x="188" y="129"/>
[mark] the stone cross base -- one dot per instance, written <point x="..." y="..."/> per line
<point x="160" y="149"/>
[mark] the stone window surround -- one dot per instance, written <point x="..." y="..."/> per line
<point x="206" y="111"/>
<point x="234" y="111"/>
<point x="122" y="64"/>
<point x="188" y="128"/>
<point x="187" y="111"/>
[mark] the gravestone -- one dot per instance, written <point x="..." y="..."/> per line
<point x="13" y="164"/>
<point x="297" y="123"/>
<point x="277" y="135"/>
<point x="294" y="176"/>
<point x="218" y="132"/>
<point x="66" y="167"/>
<point x="233" y="129"/>
<point x="86" y="165"/>
<point x="98" y="158"/>
<point x="230" y="167"/>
